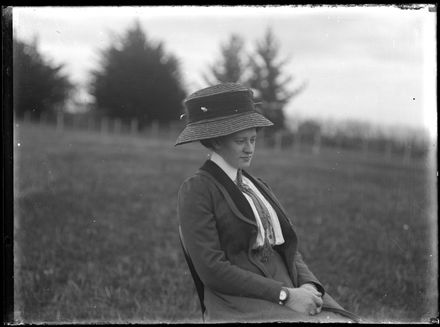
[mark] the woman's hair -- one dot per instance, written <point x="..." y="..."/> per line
<point x="209" y="143"/>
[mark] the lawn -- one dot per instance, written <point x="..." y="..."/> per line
<point x="96" y="235"/>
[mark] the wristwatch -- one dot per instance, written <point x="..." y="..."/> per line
<point x="284" y="295"/>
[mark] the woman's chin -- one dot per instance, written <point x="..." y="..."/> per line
<point x="245" y="164"/>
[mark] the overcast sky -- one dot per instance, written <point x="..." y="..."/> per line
<point x="376" y="64"/>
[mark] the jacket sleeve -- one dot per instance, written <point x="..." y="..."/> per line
<point x="305" y="275"/>
<point x="201" y="237"/>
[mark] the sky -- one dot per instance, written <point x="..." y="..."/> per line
<point x="375" y="64"/>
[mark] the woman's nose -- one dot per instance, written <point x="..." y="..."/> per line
<point x="249" y="147"/>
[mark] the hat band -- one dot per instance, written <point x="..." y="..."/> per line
<point x="218" y="105"/>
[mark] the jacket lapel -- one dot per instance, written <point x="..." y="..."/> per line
<point x="232" y="190"/>
<point x="240" y="206"/>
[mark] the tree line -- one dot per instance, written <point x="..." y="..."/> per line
<point x="137" y="78"/>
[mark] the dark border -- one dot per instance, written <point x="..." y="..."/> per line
<point x="8" y="165"/>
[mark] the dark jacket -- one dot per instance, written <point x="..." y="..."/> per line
<point x="219" y="229"/>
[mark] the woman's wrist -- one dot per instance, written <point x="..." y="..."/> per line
<point x="284" y="295"/>
<point x="311" y="284"/>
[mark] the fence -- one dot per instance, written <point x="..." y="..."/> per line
<point x="278" y="141"/>
<point x="101" y="124"/>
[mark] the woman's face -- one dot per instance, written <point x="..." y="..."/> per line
<point x="237" y="149"/>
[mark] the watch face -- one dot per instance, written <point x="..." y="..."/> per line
<point x="283" y="295"/>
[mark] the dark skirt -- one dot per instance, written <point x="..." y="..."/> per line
<point x="228" y="308"/>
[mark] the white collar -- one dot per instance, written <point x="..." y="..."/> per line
<point x="226" y="167"/>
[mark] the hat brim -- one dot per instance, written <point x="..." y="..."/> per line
<point x="223" y="126"/>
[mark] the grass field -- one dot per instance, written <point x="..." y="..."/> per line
<point x="96" y="228"/>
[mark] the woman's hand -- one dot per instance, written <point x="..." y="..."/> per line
<point x="305" y="299"/>
<point x="315" y="291"/>
<point x="312" y="288"/>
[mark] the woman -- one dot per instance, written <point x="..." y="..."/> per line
<point x="240" y="239"/>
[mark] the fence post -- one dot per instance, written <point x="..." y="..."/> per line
<point x="278" y="140"/>
<point x="27" y="116"/>
<point x="134" y="126"/>
<point x="60" y="120"/>
<point x="90" y="124"/>
<point x="117" y="125"/>
<point x="155" y="128"/>
<point x="262" y="136"/>
<point x="297" y="142"/>
<point x="75" y="121"/>
<point x="407" y="153"/>
<point x="388" y="149"/>
<point x="365" y="146"/>
<point x="104" y="125"/>
<point x="170" y="131"/>
<point x="43" y="117"/>
<point x="316" y="143"/>
<point x="338" y="142"/>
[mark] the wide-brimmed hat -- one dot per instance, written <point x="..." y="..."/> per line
<point x="219" y="110"/>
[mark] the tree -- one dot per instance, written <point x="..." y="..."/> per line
<point x="309" y="129"/>
<point x="38" y="85"/>
<point x="268" y="80"/>
<point x="137" y="79"/>
<point x="230" y="67"/>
